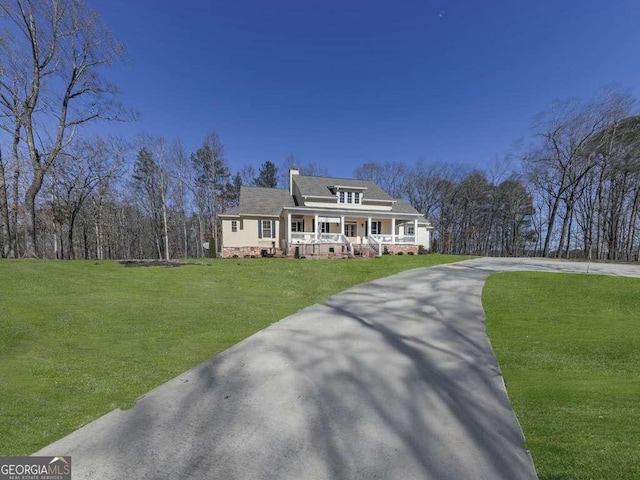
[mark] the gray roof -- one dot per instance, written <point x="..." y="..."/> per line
<point x="262" y="201"/>
<point x="402" y="206"/>
<point x="319" y="186"/>
<point x="271" y="201"/>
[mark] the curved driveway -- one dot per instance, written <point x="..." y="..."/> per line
<point x="393" y="379"/>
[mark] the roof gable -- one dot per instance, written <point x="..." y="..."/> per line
<point x="262" y="201"/>
<point x="322" y="187"/>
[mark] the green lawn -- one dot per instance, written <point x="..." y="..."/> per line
<point x="78" y="339"/>
<point x="569" y="348"/>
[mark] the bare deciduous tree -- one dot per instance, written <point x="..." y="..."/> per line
<point x="62" y="46"/>
<point x="5" y="231"/>
<point x="562" y="163"/>
<point x="390" y="176"/>
<point x="564" y="157"/>
<point x="75" y="176"/>
<point x="304" y="168"/>
<point x="211" y="181"/>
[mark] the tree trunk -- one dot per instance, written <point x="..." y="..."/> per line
<point x="85" y="241"/>
<point x="56" y="254"/>
<point x="15" y="202"/>
<point x="72" y="250"/>
<point x="184" y="228"/>
<point x="567" y="249"/>
<point x="550" y="221"/>
<point x="165" y="227"/>
<point x="4" y="213"/>
<point x="99" y="252"/>
<point x="565" y="226"/>
<point x="201" y="252"/>
<point x="30" y="248"/>
<point x="632" y="222"/>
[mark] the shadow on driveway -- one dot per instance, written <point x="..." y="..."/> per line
<point x="391" y="379"/>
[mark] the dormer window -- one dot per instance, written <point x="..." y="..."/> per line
<point x="345" y="196"/>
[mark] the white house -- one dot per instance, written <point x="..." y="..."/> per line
<point x="322" y="216"/>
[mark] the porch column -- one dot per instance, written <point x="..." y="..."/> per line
<point x="317" y="227"/>
<point x="368" y="226"/>
<point x="393" y="230"/>
<point x="342" y="225"/>
<point x="415" y="231"/>
<point x="288" y="230"/>
<point x="428" y="243"/>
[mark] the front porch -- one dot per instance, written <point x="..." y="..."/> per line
<point x="318" y="235"/>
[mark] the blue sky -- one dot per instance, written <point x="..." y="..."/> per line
<point x="341" y="83"/>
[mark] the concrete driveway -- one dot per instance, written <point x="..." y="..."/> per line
<point x="394" y="379"/>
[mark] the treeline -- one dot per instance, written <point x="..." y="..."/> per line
<point x="472" y="212"/>
<point x="585" y="175"/>
<point x="574" y="192"/>
<point x="106" y="198"/>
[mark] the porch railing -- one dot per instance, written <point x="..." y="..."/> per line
<point x="374" y="245"/>
<point x="390" y="239"/>
<point x="310" y="238"/>
<point x="347" y="243"/>
<point x="336" y="238"/>
<point x="411" y="239"/>
<point x="330" y="238"/>
<point x="302" y="237"/>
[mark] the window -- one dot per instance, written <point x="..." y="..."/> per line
<point x="297" y="226"/>
<point x="411" y="229"/>
<point x="376" y="228"/>
<point x="265" y="229"/>
<point x="346" y="196"/>
<point x="234" y="225"/>
<point x="324" y="227"/>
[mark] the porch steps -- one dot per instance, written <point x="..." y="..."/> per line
<point x="362" y="250"/>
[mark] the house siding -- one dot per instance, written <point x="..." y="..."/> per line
<point x="246" y="241"/>
<point x="351" y="206"/>
<point x="424" y="237"/>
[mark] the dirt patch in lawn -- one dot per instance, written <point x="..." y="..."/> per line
<point x="153" y="263"/>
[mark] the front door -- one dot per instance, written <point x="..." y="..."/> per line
<point x="350" y="229"/>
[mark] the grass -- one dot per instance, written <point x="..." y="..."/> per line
<point x="569" y="349"/>
<point x="79" y="339"/>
